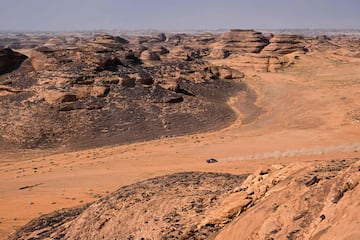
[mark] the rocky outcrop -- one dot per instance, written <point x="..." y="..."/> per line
<point x="148" y="55"/>
<point x="284" y="44"/>
<point x="161" y="37"/>
<point x="219" y="52"/>
<point x="114" y="80"/>
<point x="109" y="64"/>
<point x="142" y="207"/>
<point x="347" y="46"/>
<point x="156" y="38"/>
<point x="160" y="50"/>
<point x="109" y="39"/>
<point x="243" y="41"/>
<point x="100" y="87"/>
<point x="299" y="201"/>
<point x="183" y="53"/>
<point x="253" y="51"/>
<point x="130" y="57"/>
<point x="225" y="72"/>
<point x="55" y="42"/>
<point x="104" y="43"/>
<point x="10" y="60"/>
<point x="311" y="200"/>
<point x="126" y="81"/>
<point x="142" y="77"/>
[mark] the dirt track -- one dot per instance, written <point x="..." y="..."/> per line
<point x="355" y="147"/>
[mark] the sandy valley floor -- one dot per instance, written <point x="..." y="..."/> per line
<point x="309" y="112"/>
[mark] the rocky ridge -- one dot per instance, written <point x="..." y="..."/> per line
<point x="259" y="52"/>
<point x="299" y="201"/>
<point x="94" y="92"/>
<point x="168" y="207"/>
<point x="77" y="91"/>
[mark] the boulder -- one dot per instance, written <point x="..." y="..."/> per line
<point x="126" y="81"/>
<point x="160" y="50"/>
<point x="142" y="77"/>
<point x="224" y="72"/>
<point x="131" y="58"/>
<point x="57" y="97"/>
<point x="170" y="85"/>
<point x="67" y="97"/>
<point x="109" y="64"/>
<point x="173" y="99"/>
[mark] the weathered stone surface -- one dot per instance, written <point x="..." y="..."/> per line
<point x="273" y="202"/>
<point x="108" y="39"/>
<point x="219" y="52"/>
<point x="142" y="77"/>
<point x="244" y="41"/>
<point x="291" y="201"/>
<point x="141" y="205"/>
<point x="182" y="53"/>
<point x="283" y="44"/>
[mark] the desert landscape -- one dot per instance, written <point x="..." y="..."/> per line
<point x="233" y="135"/>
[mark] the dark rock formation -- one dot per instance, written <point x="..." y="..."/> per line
<point x="98" y="91"/>
<point x="109" y="64"/>
<point x="10" y="60"/>
<point x="161" y="37"/>
<point x="160" y="50"/>
<point x="149" y="56"/>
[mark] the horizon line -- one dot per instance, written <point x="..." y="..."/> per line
<point x="177" y="30"/>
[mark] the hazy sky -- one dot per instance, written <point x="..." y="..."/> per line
<point x="177" y="15"/>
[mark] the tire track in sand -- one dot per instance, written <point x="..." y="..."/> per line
<point x="354" y="147"/>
